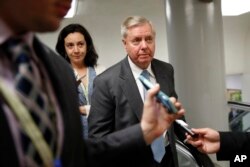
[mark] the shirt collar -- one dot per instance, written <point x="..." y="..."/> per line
<point x="137" y="70"/>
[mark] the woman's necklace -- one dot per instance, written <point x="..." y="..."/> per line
<point x="82" y="79"/>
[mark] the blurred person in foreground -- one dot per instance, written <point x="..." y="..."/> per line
<point x="46" y="92"/>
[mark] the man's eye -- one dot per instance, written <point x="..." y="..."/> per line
<point x="136" y="42"/>
<point x="149" y="40"/>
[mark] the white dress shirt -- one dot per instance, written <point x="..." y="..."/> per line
<point x="137" y="72"/>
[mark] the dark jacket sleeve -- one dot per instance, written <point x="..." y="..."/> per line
<point x="232" y="144"/>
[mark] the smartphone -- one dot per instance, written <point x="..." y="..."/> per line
<point x="161" y="97"/>
<point x="185" y="127"/>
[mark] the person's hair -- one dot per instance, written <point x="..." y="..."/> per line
<point x="91" y="55"/>
<point x="134" y="21"/>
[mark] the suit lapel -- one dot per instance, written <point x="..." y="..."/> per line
<point x="130" y="89"/>
<point x="55" y="73"/>
<point x="66" y="95"/>
<point x="160" y="76"/>
<point x="45" y="56"/>
<point x="163" y="80"/>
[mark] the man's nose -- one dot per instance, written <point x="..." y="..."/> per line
<point x="144" y="44"/>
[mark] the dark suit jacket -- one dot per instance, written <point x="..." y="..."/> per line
<point x="62" y="79"/>
<point x="117" y="105"/>
<point x="232" y="144"/>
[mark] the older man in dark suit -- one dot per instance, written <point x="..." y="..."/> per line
<point x="118" y="96"/>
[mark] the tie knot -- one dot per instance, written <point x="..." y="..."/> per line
<point x="17" y="50"/>
<point x="145" y="74"/>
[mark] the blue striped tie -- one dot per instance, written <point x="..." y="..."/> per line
<point x="33" y="97"/>
<point x="158" y="147"/>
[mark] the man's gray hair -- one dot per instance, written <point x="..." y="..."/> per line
<point x="133" y="21"/>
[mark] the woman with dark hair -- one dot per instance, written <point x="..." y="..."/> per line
<point x="76" y="46"/>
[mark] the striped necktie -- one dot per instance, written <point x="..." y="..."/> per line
<point x="158" y="147"/>
<point x="146" y="75"/>
<point x="30" y="92"/>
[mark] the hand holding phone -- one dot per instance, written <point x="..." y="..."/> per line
<point x="161" y="97"/>
<point x="185" y="127"/>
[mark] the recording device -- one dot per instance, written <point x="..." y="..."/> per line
<point x="161" y="97"/>
<point x="164" y="99"/>
<point x="185" y="127"/>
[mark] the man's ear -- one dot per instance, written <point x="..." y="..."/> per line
<point x="124" y="41"/>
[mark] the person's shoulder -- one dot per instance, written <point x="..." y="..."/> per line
<point x="51" y="54"/>
<point x="99" y="69"/>
<point x="109" y="73"/>
<point x="42" y="47"/>
<point x="113" y="69"/>
<point x="158" y="62"/>
<point x="50" y="58"/>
